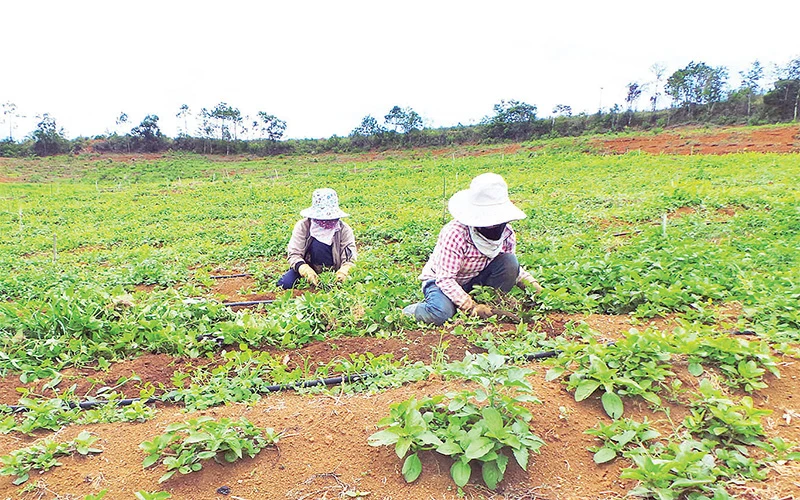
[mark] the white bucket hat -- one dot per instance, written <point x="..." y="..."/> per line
<point x="324" y="205"/>
<point x="485" y="203"/>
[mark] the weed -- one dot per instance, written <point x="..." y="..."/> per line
<point x="184" y="445"/>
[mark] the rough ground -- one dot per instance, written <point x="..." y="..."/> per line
<point x="324" y="452"/>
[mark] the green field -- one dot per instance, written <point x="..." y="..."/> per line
<point x="640" y="235"/>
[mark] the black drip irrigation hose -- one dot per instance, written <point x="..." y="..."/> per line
<point x="248" y="303"/>
<point x="540" y="355"/>
<point x="85" y="405"/>
<point x="223" y="276"/>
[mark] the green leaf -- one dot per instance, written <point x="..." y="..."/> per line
<point x="412" y="468"/>
<point x="385" y="437"/>
<point x="21" y="479"/>
<point x="449" y="448"/>
<point x="553" y="373"/>
<point x="429" y="437"/>
<point x="167" y="475"/>
<point x="604" y="455"/>
<point x="491" y="474"/>
<point x="150" y="460"/>
<point x="651" y="397"/>
<point x="696" y="369"/>
<point x="402" y="446"/>
<point x="478" y="448"/>
<point x="493" y="419"/>
<point x="522" y="455"/>
<point x="460" y="472"/>
<point x="625" y="437"/>
<point x="612" y="404"/>
<point x="585" y="389"/>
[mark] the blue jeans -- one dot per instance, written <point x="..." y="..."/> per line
<point x="319" y="254"/>
<point x="436" y="307"/>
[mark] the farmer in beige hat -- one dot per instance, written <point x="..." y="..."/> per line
<point x="320" y="242"/>
<point x="476" y="248"/>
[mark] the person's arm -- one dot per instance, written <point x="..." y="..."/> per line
<point x="348" y="253"/>
<point x="297" y="244"/>
<point x="524" y="278"/>
<point x="449" y="261"/>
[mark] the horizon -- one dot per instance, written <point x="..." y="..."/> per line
<point x="322" y="68"/>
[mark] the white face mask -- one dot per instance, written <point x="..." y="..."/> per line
<point x="489" y="248"/>
<point x="321" y="233"/>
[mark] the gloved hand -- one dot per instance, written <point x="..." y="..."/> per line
<point x="344" y="271"/>
<point x="309" y="274"/>
<point x="474" y="309"/>
<point x="525" y="282"/>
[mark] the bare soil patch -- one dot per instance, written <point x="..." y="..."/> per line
<point x="785" y="139"/>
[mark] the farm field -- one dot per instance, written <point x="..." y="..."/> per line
<point x="670" y="315"/>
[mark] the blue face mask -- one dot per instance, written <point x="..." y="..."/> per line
<point x="492" y="233"/>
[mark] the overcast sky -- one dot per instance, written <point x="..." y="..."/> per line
<point x="323" y="65"/>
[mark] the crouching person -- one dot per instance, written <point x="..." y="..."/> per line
<point x="476" y="248"/>
<point x="320" y="242"/>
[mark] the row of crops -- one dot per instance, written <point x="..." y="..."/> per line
<point x="633" y="234"/>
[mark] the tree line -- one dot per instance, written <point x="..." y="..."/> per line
<point x="698" y="94"/>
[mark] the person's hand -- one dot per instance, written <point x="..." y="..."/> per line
<point x="344" y="271"/>
<point x="474" y="309"/>
<point x="530" y="282"/>
<point x="309" y="274"/>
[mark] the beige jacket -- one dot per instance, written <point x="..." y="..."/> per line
<point x="343" y="244"/>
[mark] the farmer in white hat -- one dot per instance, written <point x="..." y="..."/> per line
<point x="320" y="242"/>
<point x="476" y="248"/>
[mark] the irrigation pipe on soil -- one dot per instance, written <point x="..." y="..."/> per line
<point x="84" y="405"/>
<point x="248" y="303"/>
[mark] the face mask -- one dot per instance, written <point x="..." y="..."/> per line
<point x="492" y="233"/>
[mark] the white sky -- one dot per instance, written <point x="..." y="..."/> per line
<point x="323" y="65"/>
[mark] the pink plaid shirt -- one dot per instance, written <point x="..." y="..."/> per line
<point x="455" y="260"/>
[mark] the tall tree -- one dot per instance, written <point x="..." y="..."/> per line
<point x="147" y="134"/>
<point x="369" y="127"/>
<point x="228" y="118"/>
<point x="750" y="80"/>
<point x="634" y="93"/>
<point x="48" y="137"/>
<point x="9" y="115"/>
<point x="512" y="120"/>
<point x="658" y="71"/>
<point x="271" y="126"/>
<point x="560" y="110"/>
<point x="403" y="119"/>
<point x="783" y="102"/>
<point x="184" y="113"/>
<point x="697" y="84"/>
<point x="121" y="120"/>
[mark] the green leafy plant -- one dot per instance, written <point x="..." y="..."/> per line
<point x="486" y="425"/>
<point x="618" y="436"/>
<point x="54" y="413"/>
<point x="44" y="454"/>
<point x="717" y="417"/>
<point x="184" y="445"/>
<point x="678" y="470"/>
<point x="636" y="365"/>
<point x="742" y="362"/>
